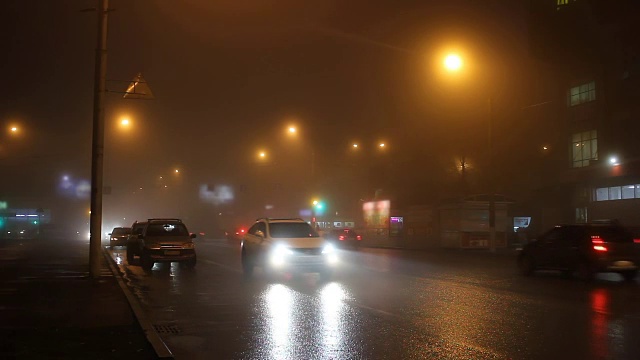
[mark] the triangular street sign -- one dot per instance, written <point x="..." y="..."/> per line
<point x="138" y="89"/>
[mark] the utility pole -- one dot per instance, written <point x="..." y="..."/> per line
<point x="97" y="148"/>
<point x="492" y="200"/>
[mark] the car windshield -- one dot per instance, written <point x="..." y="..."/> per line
<point x="292" y="230"/>
<point x="612" y="234"/>
<point x="167" y="229"/>
<point x="120" y="231"/>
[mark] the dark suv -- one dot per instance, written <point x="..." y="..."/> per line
<point x="161" y="240"/>
<point x="584" y="249"/>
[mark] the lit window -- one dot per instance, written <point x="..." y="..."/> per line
<point x="581" y="215"/>
<point x="602" y="194"/>
<point x="562" y="3"/>
<point x="615" y="193"/>
<point x="582" y="94"/>
<point x="584" y="147"/>
<point x="628" y="191"/>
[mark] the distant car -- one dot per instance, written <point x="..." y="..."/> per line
<point x="583" y="250"/>
<point x="161" y="240"/>
<point x="118" y="236"/>
<point x="343" y="237"/>
<point x="287" y="245"/>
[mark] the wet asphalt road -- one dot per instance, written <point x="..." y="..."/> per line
<point x="386" y="304"/>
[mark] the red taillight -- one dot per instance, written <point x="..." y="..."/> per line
<point x="341" y="237"/>
<point x="637" y="241"/>
<point x="358" y="237"/>
<point x="242" y="231"/>
<point x="598" y="243"/>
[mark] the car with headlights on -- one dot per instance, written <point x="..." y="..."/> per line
<point x="118" y="236"/>
<point x="584" y="250"/>
<point x="287" y="245"/>
<point x="161" y="240"/>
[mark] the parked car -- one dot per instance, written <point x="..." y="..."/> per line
<point x="343" y="237"/>
<point x="286" y="245"/>
<point x="583" y="250"/>
<point x="118" y="236"/>
<point x="161" y="240"/>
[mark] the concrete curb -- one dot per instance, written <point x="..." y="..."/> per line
<point x="159" y="346"/>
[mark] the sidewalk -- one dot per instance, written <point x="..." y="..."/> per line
<point x="51" y="309"/>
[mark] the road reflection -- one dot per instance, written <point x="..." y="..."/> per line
<point x="290" y="318"/>
<point x="599" y="334"/>
<point x="332" y="297"/>
<point x="279" y="306"/>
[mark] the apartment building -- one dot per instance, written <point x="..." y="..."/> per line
<point x="591" y="49"/>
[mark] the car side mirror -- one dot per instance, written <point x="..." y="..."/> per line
<point x="193" y="235"/>
<point x="260" y="233"/>
<point x="109" y="234"/>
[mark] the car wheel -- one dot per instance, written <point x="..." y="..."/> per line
<point x="585" y="271"/>
<point x="629" y="276"/>
<point x="247" y="264"/>
<point x="146" y="262"/>
<point x="527" y="265"/>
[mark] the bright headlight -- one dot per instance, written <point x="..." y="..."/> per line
<point x="281" y="250"/>
<point x="279" y="254"/>
<point x="328" y="249"/>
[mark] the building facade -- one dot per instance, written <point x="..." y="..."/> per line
<point x="592" y="52"/>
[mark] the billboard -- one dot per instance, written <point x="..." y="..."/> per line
<point x="376" y="214"/>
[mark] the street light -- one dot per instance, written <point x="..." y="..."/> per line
<point x="292" y="131"/>
<point x="453" y="63"/>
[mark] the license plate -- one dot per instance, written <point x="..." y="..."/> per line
<point x="172" y="252"/>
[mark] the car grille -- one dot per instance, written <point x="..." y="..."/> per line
<point x="170" y="246"/>
<point x="308" y="251"/>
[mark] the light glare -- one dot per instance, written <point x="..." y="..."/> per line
<point x="453" y="62"/>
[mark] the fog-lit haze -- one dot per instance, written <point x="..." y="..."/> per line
<point x="230" y="77"/>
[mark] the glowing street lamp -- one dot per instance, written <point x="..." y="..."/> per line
<point x="613" y="161"/>
<point x="355" y="146"/>
<point x="453" y="62"/>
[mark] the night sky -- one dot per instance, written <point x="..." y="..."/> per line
<point x="230" y="76"/>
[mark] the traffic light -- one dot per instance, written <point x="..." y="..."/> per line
<point x="318" y="207"/>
